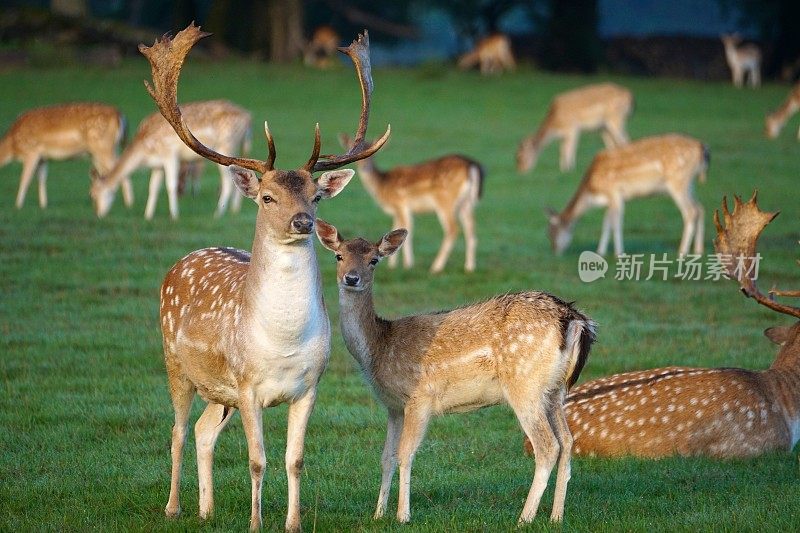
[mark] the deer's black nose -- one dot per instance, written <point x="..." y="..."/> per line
<point x="351" y="280"/>
<point x="302" y="223"/>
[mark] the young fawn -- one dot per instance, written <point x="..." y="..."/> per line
<point x="743" y="60"/>
<point x="521" y="349"/>
<point x="61" y="132"/>
<point x="449" y="186"/>
<point x="491" y="54"/>
<point x="219" y="124"/>
<point x="603" y="106"/>
<point x="649" y="166"/>
<point x="775" y="121"/>
<point x="716" y="412"/>
<point x="250" y="330"/>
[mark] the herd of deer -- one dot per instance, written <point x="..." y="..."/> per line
<point x="249" y="330"/>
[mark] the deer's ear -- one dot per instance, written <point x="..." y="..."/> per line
<point x="551" y="215"/>
<point x="391" y="242"/>
<point x="328" y="235"/>
<point x="332" y="182"/>
<point x="246" y="180"/>
<point x="345" y="141"/>
<point x="779" y="334"/>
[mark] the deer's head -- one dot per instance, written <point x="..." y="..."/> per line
<point x="287" y="199"/>
<point x="101" y="193"/>
<point x="357" y="258"/>
<point x="526" y="155"/>
<point x="772" y="127"/>
<point x="558" y="231"/>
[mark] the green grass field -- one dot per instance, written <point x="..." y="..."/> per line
<point x="85" y="416"/>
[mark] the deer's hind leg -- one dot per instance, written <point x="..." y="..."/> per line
<point x="42" y="175"/>
<point x="182" y="392"/>
<point x="206" y="430"/>
<point x="29" y="165"/>
<point x="558" y="421"/>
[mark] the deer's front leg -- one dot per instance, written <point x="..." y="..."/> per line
<point x="389" y="460"/>
<point x="253" y="431"/>
<point x="414" y="425"/>
<point x="299" y="412"/>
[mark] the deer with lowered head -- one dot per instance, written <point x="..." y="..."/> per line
<point x="219" y="124"/>
<point x="320" y="51"/>
<point x="250" y="330"/>
<point x="604" y="107"/>
<point x="775" y="121"/>
<point x="653" y="165"/>
<point x="743" y="60"/>
<point x="522" y="349"/>
<point x="60" y="132"/>
<point x="716" y="412"/>
<point x="492" y="55"/>
<point x="449" y="186"/>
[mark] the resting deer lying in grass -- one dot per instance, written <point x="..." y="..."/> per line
<point x="653" y="165"/>
<point x="320" y="51"/>
<point x="604" y="107"/>
<point x="61" y="132"/>
<point x="449" y="186"/>
<point x="775" y="121"/>
<point x="521" y="349"/>
<point x="247" y="331"/>
<point x="743" y="59"/>
<point x="717" y="412"/>
<point x="218" y="123"/>
<point x="492" y="55"/>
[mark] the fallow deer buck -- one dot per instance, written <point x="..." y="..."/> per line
<point x="522" y="349"/>
<point x="653" y="165"/>
<point x="717" y="412"/>
<point x="250" y="330"/>
<point x="492" y="55"/>
<point x="449" y="186"/>
<point x="320" y="51"/>
<point x="218" y="124"/>
<point x="61" y="132"/>
<point x="604" y="107"/>
<point x="775" y="121"/>
<point x="743" y="60"/>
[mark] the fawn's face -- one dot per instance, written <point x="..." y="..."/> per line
<point x="102" y="195"/>
<point x="357" y="258"/>
<point x="288" y="199"/>
<point x="559" y="233"/>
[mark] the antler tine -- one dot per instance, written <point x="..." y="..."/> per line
<point x="359" y="53"/>
<point x="315" y="151"/>
<point x="166" y="58"/>
<point x="270" y="162"/>
<point x="737" y="239"/>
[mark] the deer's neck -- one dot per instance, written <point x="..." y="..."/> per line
<point x="6" y="149"/>
<point x="364" y="331"/>
<point x="787" y="109"/>
<point x="576" y="207"/>
<point x="125" y="165"/>
<point x="371" y="177"/>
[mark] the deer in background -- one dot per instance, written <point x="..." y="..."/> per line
<point x="492" y="54"/>
<point x="250" y="330"/>
<point x="218" y="123"/>
<point x="716" y="412"/>
<point x="743" y="59"/>
<point x="320" y="51"/>
<point x="775" y="121"/>
<point x="61" y="132"/>
<point x="449" y="186"/>
<point x="604" y="107"/>
<point x="521" y="349"/>
<point x="653" y="165"/>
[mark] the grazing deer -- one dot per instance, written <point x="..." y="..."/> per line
<point x="604" y="106"/>
<point x="521" y="349"/>
<point x="775" y="121"/>
<point x="717" y="412"/>
<point x="653" y="165"/>
<point x="743" y="59"/>
<point x="217" y="123"/>
<point x="61" y="132"/>
<point x="449" y="186"/>
<point x="492" y="54"/>
<point x="250" y="330"/>
<point x="319" y="52"/>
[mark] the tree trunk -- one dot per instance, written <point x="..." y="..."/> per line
<point x="285" y="30"/>
<point x="572" y="43"/>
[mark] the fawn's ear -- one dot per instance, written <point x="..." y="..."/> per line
<point x="391" y="242"/>
<point x="779" y="334"/>
<point x="328" y="235"/>
<point x="246" y="180"/>
<point x="551" y="215"/>
<point x="332" y="182"/>
<point x="345" y="141"/>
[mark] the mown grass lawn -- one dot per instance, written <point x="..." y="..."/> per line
<point x="85" y="416"/>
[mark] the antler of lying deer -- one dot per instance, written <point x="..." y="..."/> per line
<point x="166" y="58"/>
<point x="738" y="239"/>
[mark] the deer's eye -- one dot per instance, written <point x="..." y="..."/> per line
<point x="338" y="257"/>
<point x="317" y="198"/>
<point x="268" y="199"/>
<point x="374" y="261"/>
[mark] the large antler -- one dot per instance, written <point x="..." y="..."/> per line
<point x="166" y="58"/>
<point x="359" y="53"/>
<point x="737" y="241"/>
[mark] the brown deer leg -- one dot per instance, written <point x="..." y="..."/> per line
<point x="545" y="450"/>
<point x="28" y="168"/>
<point x="253" y="430"/>
<point x="389" y="460"/>
<point x="558" y="422"/>
<point x="156" y="177"/>
<point x="299" y="412"/>
<point x="448" y="222"/>
<point x="182" y="392"/>
<point x="206" y="430"/>
<point x="414" y="425"/>
<point x="471" y="242"/>
<point x="41" y="171"/>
